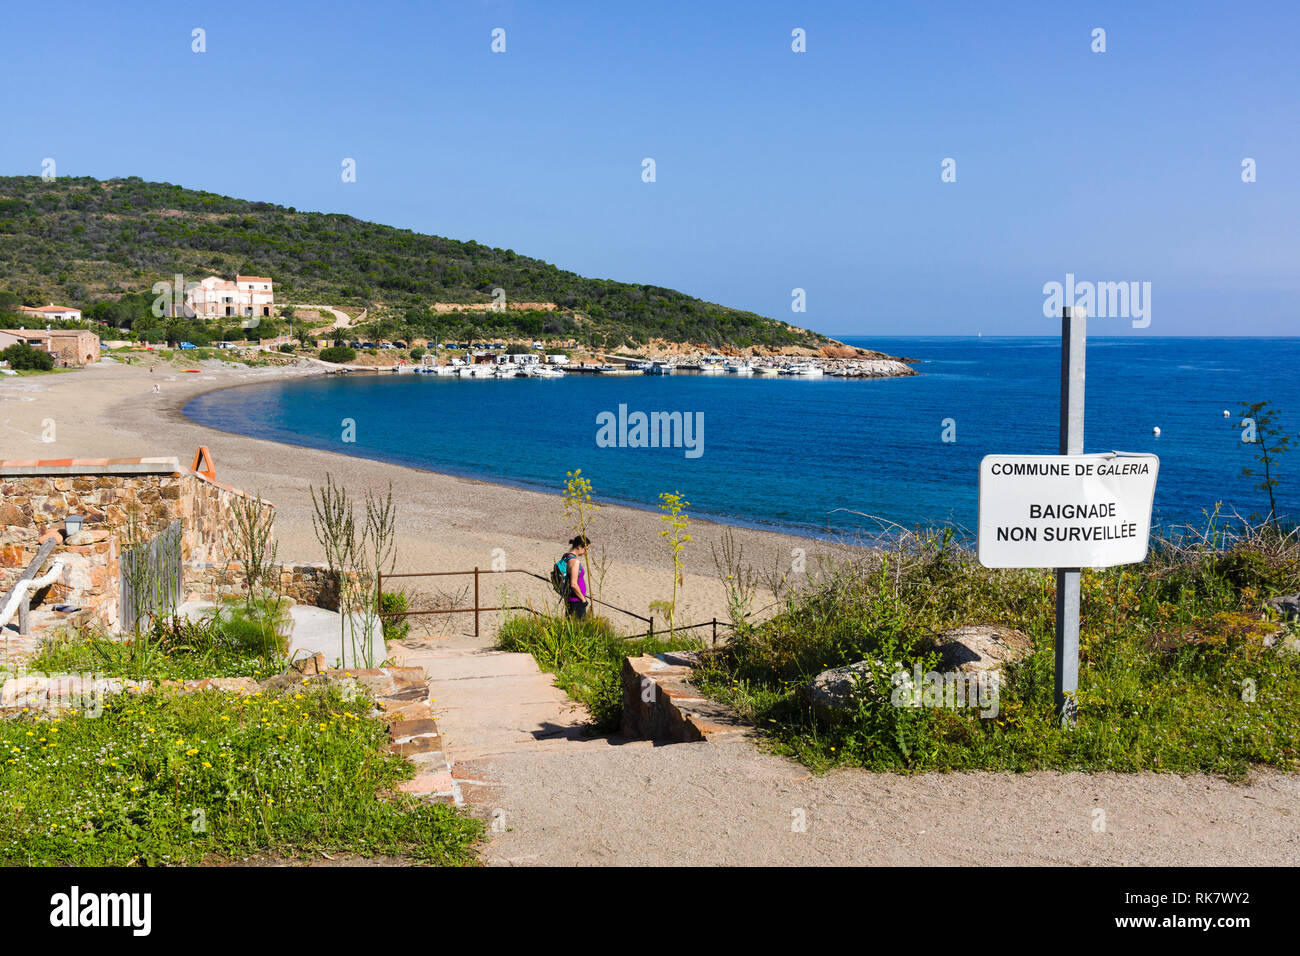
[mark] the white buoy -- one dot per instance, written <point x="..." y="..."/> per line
<point x="1227" y="414"/>
<point x="1156" y="431"/>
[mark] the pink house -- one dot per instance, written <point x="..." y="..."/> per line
<point x="246" y="297"/>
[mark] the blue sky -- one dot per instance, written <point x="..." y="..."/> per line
<point x="775" y="169"/>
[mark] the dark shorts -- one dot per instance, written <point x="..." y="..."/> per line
<point x="577" y="609"/>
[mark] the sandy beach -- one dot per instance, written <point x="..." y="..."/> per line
<point x="445" y="523"/>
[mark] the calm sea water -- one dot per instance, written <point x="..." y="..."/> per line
<point x="802" y="455"/>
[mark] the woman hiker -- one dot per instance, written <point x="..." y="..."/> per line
<point x="579" y="599"/>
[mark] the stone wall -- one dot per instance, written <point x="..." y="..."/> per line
<point x="35" y="496"/>
<point x="306" y="583"/>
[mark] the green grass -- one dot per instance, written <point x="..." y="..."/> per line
<point x="236" y="645"/>
<point x="167" y="779"/>
<point x="1169" y="653"/>
<point x="586" y="657"/>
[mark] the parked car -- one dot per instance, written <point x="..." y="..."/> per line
<point x="188" y="345"/>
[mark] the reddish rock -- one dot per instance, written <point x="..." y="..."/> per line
<point x="427" y="783"/>
<point x="403" y="730"/>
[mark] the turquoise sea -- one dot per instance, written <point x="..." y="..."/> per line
<point x="812" y="456"/>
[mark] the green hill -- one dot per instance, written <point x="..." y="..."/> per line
<point x="78" y="241"/>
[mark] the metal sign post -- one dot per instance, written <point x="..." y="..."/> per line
<point x="1074" y="336"/>
<point x="1067" y="511"/>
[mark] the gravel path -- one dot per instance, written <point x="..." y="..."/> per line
<point x="557" y="798"/>
<point x="728" y="804"/>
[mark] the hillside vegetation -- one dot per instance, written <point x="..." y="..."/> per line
<point x="78" y="240"/>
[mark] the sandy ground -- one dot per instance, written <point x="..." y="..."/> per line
<point x="604" y="801"/>
<point x="444" y="523"/>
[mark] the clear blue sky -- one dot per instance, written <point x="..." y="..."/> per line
<point x="775" y="170"/>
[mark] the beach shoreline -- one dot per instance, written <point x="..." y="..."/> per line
<point x="445" y="522"/>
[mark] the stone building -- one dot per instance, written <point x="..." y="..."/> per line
<point x="71" y="348"/>
<point x="120" y="501"/>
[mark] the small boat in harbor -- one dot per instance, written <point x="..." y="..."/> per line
<point x="738" y="368"/>
<point x="543" y="371"/>
<point x="805" y="369"/>
<point x="660" y="368"/>
<point x="712" y="364"/>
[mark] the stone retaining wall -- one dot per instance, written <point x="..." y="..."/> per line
<point x="661" y="703"/>
<point x="306" y="583"/>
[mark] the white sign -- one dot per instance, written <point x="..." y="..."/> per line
<point x="1065" y="511"/>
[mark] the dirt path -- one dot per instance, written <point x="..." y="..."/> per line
<point x="555" y="797"/>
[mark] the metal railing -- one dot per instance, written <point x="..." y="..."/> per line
<point x="478" y="609"/>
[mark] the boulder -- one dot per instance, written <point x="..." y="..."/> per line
<point x="837" y="689"/>
<point x="975" y="649"/>
<point x="981" y="647"/>
<point x="1287" y="606"/>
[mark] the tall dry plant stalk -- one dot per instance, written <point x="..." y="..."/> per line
<point x="674" y="506"/>
<point x="356" y="555"/>
<point x="250" y="534"/>
<point x="739" y="580"/>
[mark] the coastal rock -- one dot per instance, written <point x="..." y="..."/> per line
<point x="982" y="647"/>
<point x="1287" y="605"/>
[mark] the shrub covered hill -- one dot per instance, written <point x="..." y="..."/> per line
<point x="78" y="240"/>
